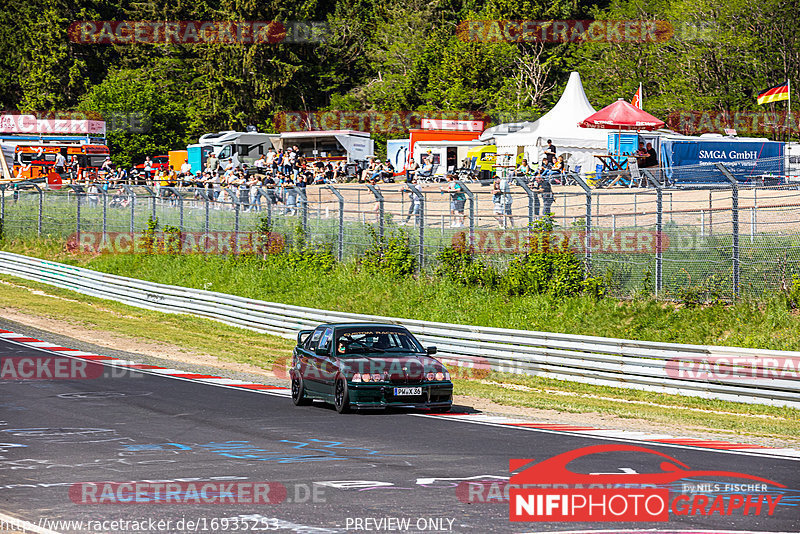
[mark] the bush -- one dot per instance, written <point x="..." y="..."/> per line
<point x="391" y="256"/>
<point x="459" y="264"/>
<point x="792" y="292"/>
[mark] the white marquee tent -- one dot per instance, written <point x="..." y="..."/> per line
<point x="561" y="125"/>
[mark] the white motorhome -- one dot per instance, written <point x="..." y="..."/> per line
<point x="240" y="147"/>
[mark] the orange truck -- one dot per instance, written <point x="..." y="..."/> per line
<point x="36" y="161"/>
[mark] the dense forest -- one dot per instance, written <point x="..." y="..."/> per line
<point x="385" y="55"/>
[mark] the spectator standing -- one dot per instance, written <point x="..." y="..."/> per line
<point x="550" y="152"/>
<point x="414" y="204"/>
<point x="457" y="201"/>
<point x="60" y="165"/>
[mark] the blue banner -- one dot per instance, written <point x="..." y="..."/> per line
<point x="745" y="159"/>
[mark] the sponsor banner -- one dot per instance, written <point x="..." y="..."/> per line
<point x="177" y="493"/>
<point x="176" y="243"/>
<point x="379" y="121"/>
<point x="565" y="31"/>
<point x="694" y="122"/>
<point x="516" y="241"/>
<point x="734" y="368"/>
<point x="123" y="32"/>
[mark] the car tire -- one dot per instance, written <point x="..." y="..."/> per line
<point x="341" y="397"/>
<point x="299" y="392"/>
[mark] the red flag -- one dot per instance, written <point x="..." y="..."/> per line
<point x="636" y="101"/>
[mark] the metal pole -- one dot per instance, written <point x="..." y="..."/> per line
<point x="588" y="237"/>
<point x="421" y="218"/>
<point x="635" y="208"/>
<point x="105" y="212"/>
<point x="3" y="204"/>
<point x="381" y="216"/>
<point x="710" y="215"/>
<point x="302" y="196"/>
<point x="752" y="223"/>
<point x="132" y="194"/>
<point x="659" y="232"/>
<point x="340" y="241"/>
<point x="471" y="197"/>
<point x="531" y="199"/>
<point x="735" y="222"/>
<point x="41" y="199"/>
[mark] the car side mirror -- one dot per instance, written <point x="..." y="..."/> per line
<point x="431" y="350"/>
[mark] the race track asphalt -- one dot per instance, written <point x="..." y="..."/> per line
<point x="338" y="470"/>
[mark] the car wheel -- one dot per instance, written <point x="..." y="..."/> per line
<point x="299" y="392"/>
<point x="341" y="398"/>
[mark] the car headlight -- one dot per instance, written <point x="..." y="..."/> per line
<point x="440" y="376"/>
<point x="430" y="376"/>
<point x="377" y="377"/>
<point x="356" y="378"/>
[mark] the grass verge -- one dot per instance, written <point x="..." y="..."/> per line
<point x="243" y="346"/>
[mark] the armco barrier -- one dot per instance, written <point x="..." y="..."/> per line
<point x="626" y="363"/>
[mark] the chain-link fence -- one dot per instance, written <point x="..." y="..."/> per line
<point x="717" y="241"/>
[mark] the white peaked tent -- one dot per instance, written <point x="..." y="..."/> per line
<point x="561" y="125"/>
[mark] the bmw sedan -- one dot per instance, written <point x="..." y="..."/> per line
<point x="368" y="366"/>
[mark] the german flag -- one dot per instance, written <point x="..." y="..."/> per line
<point x="774" y="94"/>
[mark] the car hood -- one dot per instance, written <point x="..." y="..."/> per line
<point x="395" y="366"/>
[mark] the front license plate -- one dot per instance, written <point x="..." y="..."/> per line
<point x="407" y="391"/>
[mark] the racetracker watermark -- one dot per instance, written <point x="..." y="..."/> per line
<point x="734" y="368"/>
<point x="379" y="121"/>
<point x="516" y="241"/>
<point x="73" y="122"/>
<point x="176" y="243"/>
<point x="565" y="31"/>
<point x="57" y="368"/>
<point x="147" y="492"/>
<point x="691" y="122"/>
<point x="122" y="32"/>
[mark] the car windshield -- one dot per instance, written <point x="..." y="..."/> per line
<point x="359" y="340"/>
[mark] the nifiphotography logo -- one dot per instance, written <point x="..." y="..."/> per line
<point x="548" y="491"/>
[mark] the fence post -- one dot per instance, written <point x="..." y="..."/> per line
<point x="174" y="191"/>
<point x="105" y="212"/>
<point x="41" y="199"/>
<point x="233" y="192"/>
<point x="588" y="238"/>
<point x="301" y="196"/>
<point x="3" y="205"/>
<point x="152" y="201"/>
<point x="381" y="214"/>
<point x="421" y="220"/>
<point x="265" y="194"/>
<point x="471" y="197"/>
<point x="132" y="194"/>
<point x="531" y="199"/>
<point x="659" y="226"/>
<point x="735" y="222"/>
<point x="340" y="239"/>
<point x="78" y="190"/>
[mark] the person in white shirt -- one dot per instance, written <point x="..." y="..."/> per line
<point x="186" y="168"/>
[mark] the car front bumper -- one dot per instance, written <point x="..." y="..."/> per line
<point x="434" y="395"/>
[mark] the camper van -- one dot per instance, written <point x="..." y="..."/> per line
<point x="240" y="147"/>
<point x="349" y="146"/>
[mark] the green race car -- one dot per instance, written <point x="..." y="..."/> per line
<point x="368" y="366"/>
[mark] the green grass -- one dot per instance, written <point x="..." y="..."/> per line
<point x="233" y="344"/>
<point x="768" y="324"/>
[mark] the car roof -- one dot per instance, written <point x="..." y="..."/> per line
<point x="362" y="325"/>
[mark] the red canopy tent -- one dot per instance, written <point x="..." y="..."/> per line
<point x="622" y="115"/>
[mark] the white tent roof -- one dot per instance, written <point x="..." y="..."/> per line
<point x="561" y="123"/>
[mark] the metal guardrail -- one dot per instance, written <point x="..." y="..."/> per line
<point x="643" y="365"/>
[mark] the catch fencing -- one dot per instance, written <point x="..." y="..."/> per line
<point x="726" y="373"/>
<point x="715" y="242"/>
